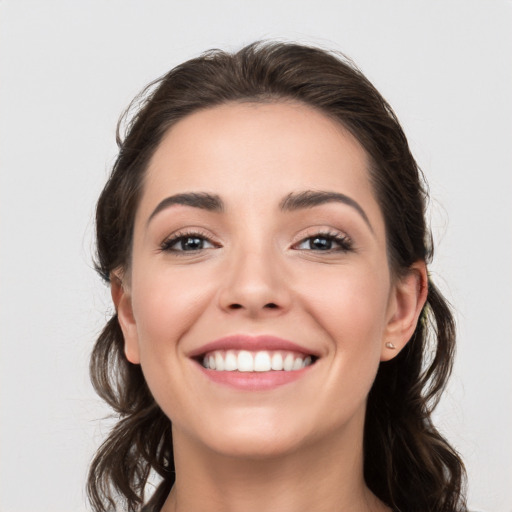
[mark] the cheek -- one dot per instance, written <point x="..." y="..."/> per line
<point x="352" y="310"/>
<point x="351" y="306"/>
<point x="165" y="305"/>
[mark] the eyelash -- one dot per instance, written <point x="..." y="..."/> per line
<point x="167" y="245"/>
<point x="343" y="241"/>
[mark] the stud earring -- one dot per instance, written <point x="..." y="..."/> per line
<point x="390" y="345"/>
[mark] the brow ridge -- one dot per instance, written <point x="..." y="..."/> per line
<point x="202" y="200"/>
<point x="311" y="198"/>
<point x="292" y="202"/>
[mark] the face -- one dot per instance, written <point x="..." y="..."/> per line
<point x="259" y="298"/>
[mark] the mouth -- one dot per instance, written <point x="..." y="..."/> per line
<point x="253" y="362"/>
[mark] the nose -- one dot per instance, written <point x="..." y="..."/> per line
<point x="255" y="285"/>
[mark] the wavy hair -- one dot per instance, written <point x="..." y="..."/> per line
<point x="407" y="462"/>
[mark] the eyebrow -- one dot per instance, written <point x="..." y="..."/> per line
<point x="292" y="202"/>
<point x="311" y="198"/>
<point x="203" y="200"/>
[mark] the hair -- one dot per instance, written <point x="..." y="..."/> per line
<point x="407" y="462"/>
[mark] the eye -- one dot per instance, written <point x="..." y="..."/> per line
<point x="187" y="242"/>
<point x="325" y="242"/>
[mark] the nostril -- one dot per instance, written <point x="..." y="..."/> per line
<point x="270" y="305"/>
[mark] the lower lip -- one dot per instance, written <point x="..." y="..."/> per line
<point x="254" y="381"/>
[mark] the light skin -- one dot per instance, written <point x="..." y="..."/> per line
<point x="283" y="236"/>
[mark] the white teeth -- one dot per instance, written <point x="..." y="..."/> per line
<point x="261" y="361"/>
<point x="297" y="364"/>
<point x="288" y="362"/>
<point x="219" y="362"/>
<point x="277" y="361"/>
<point x="230" y="363"/>
<point x="245" y="361"/>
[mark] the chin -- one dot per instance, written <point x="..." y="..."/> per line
<point x="254" y="439"/>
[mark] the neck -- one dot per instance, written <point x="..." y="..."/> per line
<point x="327" y="475"/>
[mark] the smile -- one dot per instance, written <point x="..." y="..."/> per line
<point x="260" y="361"/>
<point x="254" y="363"/>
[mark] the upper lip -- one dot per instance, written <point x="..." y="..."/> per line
<point x="251" y="343"/>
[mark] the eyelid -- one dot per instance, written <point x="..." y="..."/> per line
<point x="320" y="230"/>
<point x="174" y="237"/>
<point x="342" y="239"/>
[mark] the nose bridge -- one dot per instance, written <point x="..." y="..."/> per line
<point x="255" y="278"/>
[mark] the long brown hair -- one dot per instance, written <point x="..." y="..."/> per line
<point x="407" y="462"/>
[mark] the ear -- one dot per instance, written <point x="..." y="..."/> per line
<point x="122" y="300"/>
<point x="406" y="302"/>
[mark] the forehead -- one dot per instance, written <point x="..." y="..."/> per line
<point x="252" y="150"/>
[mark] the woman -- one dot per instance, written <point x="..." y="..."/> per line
<point x="277" y="343"/>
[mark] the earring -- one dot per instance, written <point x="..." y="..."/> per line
<point x="390" y="345"/>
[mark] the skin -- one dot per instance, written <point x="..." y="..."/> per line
<point x="296" y="447"/>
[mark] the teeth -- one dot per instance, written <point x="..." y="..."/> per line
<point x="288" y="363"/>
<point x="245" y="361"/>
<point x="231" y="363"/>
<point x="219" y="362"/>
<point x="277" y="361"/>
<point x="297" y="364"/>
<point x="261" y="361"/>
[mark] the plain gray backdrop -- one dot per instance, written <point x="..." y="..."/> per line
<point x="68" y="69"/>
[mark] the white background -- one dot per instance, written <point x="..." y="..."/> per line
<point x="67" y="70"/>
